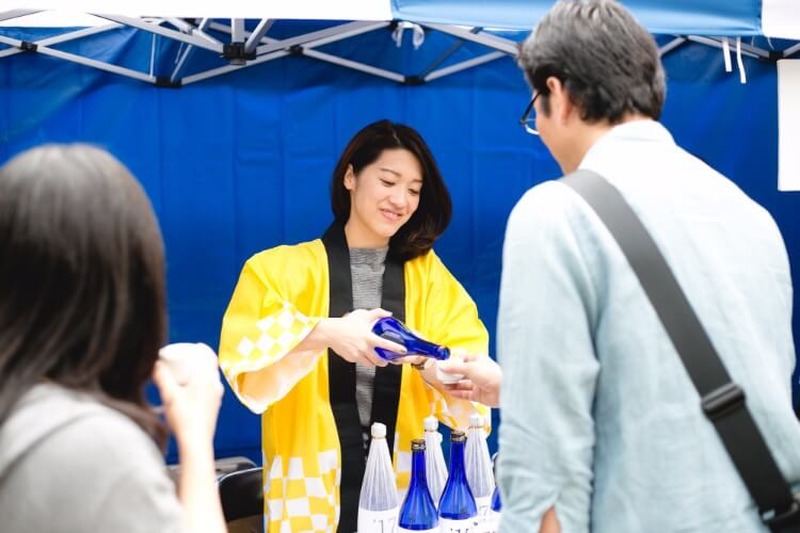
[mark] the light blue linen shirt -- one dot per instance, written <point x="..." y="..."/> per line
<point x="599" y="417"/>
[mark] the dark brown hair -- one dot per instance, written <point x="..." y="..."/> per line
<point x="82" y="290"/>
<point x="431" y="218"/>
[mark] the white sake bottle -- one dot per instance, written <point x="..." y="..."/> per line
<point x="435" y="465"/>
<point x="478" y="465"/>
<point x="378" y="504"/>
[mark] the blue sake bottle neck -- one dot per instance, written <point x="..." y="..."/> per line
<point x="418" y="477"/>
<point x="457" y="469"/>
<point x="418" y="346"/>
<point x="392" y="329"/>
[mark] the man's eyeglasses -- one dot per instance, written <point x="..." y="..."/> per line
<point x="528" y="120"/>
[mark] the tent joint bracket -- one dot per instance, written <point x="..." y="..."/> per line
<point x="413" y="80"/>
<point x="28" y="46"/>
<point x="235" y="53"/>
<point x="775" y="55"/>
<point x="167" y="82"/>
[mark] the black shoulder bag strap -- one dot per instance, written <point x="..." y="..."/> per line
<point x="722" y="400"/>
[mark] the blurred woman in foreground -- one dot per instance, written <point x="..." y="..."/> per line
<point x="82" y="317"/>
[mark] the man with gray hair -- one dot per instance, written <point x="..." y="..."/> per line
<point x="602" y="428"/>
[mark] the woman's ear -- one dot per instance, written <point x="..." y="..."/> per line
<point x="349" y="178"/>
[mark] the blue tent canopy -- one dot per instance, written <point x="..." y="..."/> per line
<point x="681" y="17"/>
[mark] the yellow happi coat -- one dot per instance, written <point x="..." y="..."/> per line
<point x="281" y="294"/>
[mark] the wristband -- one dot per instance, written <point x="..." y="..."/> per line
<point x="420" y="366"/>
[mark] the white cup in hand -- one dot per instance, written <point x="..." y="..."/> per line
<point x="189" y="361"/>
<point x="448" y="378"/>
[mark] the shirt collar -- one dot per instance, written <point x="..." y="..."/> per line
<point x="633" y="131"/>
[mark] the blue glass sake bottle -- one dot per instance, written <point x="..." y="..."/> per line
<point x="497" y="504"/>
<point x="418" y="512"/>
<point x="493" y="519"/>
<point x="458" y="512"/>
<point x="392" y="329"/>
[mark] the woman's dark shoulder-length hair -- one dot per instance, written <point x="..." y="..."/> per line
<point x="82" y="290"/>
<point x="431" y="218"/>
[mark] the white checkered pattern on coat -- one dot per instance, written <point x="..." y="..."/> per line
<point x="299" y="500"/>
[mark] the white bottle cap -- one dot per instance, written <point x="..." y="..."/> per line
<point x="431" y="423"/>
<point x="378" y="430"/>
<point x="476" y="420"/>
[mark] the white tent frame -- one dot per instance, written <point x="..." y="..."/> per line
<point x="245" y="49"/>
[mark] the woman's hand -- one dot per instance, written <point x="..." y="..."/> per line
<point x="351" y="337"/>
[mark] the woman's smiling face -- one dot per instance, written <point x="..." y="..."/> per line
<point x="383" y="197"/>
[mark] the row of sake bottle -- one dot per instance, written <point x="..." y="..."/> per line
<point x="464" y="501"/>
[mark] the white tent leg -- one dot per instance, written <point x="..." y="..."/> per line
<point x="486" y="58"/>
<point x="670" y="46"/>
<point x="791" y="50"/>
<point x="444" y="55"/>
<point x="57" y="39"/>
<point x="196" y="38"/>
<point x="329" y="35"/>
<point x="100" y="65"/>
<point x="491" y="41"/>
<point x="16" y="13"/>
<point x="261" y="30"/>
<point x="187" y="53"/>
<point x="322" y="56"/>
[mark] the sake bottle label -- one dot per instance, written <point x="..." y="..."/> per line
<point x="470" y="525"/>
<point x="484" y="504"/>
<point x="492" y="522"/>
<point x="377" y="521"/>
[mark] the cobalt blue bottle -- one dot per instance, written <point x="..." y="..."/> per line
<point x="497" y="504"/>
<point x="458" y="512"/>
<point x="392" y="329"/>
<point x="418" y="512"/>
<point x="493" y="519"/>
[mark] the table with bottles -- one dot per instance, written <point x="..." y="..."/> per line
<point x="461" y="499"/>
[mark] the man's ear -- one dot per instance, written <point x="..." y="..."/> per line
<point x="561" y="106"/>
<point x="349" y="178"/>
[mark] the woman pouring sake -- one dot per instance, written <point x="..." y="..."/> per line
<point x="297" y="344"/>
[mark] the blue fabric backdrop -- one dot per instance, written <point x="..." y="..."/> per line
<point x="242" y="162"/>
